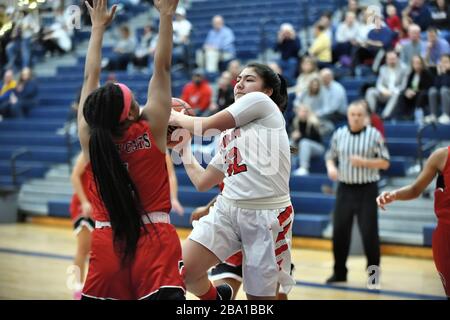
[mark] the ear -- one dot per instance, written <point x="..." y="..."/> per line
<point x="268" y="91"/>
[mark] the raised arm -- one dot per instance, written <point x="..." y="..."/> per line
<point x="158" y="106"/>
<point x="100" y="18"/>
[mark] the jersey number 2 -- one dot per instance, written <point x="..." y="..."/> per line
<point x="234" y="158"/>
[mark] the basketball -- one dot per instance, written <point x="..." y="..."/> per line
<point x="177" y="105"/>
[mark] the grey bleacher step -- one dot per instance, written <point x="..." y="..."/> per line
<point x="401" y="214"/>
<point x="46" y="189"/>
<point x="401" y="238"/>
<point x="401" y="226"/>
<point x="49" y="183"/>
<point x="35" y="209"/>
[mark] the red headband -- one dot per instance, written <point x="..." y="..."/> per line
<point x="126" y="101"/>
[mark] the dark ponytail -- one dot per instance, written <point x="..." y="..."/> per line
<point x="102" y="111"/>
<point x="274" y="81"/>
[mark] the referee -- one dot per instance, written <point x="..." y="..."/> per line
<point x="360" y="153"/>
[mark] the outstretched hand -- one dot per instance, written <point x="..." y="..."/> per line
<point x="100" y="16"/>
<point x="385" y="197"/>
<point x="166" y="6"/>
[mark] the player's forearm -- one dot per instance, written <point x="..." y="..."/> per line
<point x="194" y="170"/>
<point x="163" y="52"/>
<point x="407" y="193"/>
<point x="78" y="189"/>
<point x="92" y="67"/>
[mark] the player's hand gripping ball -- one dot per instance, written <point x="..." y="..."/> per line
<point x="173" y="137"/>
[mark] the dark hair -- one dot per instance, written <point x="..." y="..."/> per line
<point x="274" y="81"/>
<point x="102" y="111"/>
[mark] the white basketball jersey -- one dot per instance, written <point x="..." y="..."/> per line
<point x="254" y="156"/>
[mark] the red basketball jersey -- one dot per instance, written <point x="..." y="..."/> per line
<point x="442" y="194"/>
<point x="146" y="165"/>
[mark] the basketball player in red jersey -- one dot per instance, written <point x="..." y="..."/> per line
<point x="80" y="213"/>
<point x="437" y="164"/>
<point x="135" y="250"/>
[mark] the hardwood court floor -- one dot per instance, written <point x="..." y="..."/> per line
<point x="34" y="262"/>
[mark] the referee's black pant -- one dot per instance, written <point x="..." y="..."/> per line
<point x="359" y="200"/>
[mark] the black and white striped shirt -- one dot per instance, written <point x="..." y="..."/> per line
<point x="367" y="143"/>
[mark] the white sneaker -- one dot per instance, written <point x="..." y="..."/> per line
<point x="444" y="119"/>
<point x="301" y="172"/>
<point x="429" y="118"/>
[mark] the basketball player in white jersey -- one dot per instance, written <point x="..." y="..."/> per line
<point x="254" y="212"/>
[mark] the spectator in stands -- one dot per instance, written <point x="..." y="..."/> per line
<point x="312" y="97"/>
<point x="218" y="48"/>
<point x="8" y="86"/>
<point x="334" y="107"/>
<point x="346" y="38"/>
<point x="412" y="47"/>
<point x="234" y="68"/>
<point x="123" y="51"/>
<point x="373" y="119"/>
<point x="25" y="27"/>
<point x="224" y="94"/>
<point x="435" y="48"/>
<point x="415" y="94"/>
<point x="393" y="20"/>
<point x="357" y="170"/>
<point x="181" y="37"/>
<point x="440" y="92"/>
<point x="198" y="92"/>
<point x="321" y="47"/>
<point x="440" y="15"/>
<point x="145" y="50"/>
<point x="57" y="38"/>
<point x="390" y="82"/>
<point x="25" y="95"/>
<point x="353" y="6"/>
<point x="418" y="11"/>
<point x="5" y="33"/>
<point x="308" y="71"/>
<point x="325" y="22"/>
<point x="289" y="46"/>
<point x="306" y="135"/>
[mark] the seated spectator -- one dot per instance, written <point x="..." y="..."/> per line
<point x="435" y="48"/>
<point x="418" y="11"/>
<point x="306" y="135"/>
<point x="373" y="119"/>
<point x="145" y="50"/>
<point x="26" y="25"/>
<point x="8" y="86"/>
<point x="234" y="68"/>
<point x="218" y="48"/>
<point x="57" y="38"/>
<point x="288" y="45"/>
<point x="123" y="51"/>
<point x="325" y="22"/>
<point x="312" y="96"/>
<point x="321" y="47"/>
<point x="414" y="46"/>
<point x="440" y="15"/>
<point x="334" y="107"/>
<point x="25" y="95"/>
<point x="439" y="93"/>
<point x="390" y="82"/>
<point x="225" y="93"/>
<point x="392" y="19"/>
<point x="198" y="92"/>
<point x="415" y="93"/>
<point x="181" y="37"/>
<point x="308" y="71"/>
<point x="346" y="38"/>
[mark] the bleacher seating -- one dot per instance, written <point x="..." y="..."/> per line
<point x="311" y="205"/>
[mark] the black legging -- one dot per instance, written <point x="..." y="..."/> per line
<point x="359" y="200"/>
